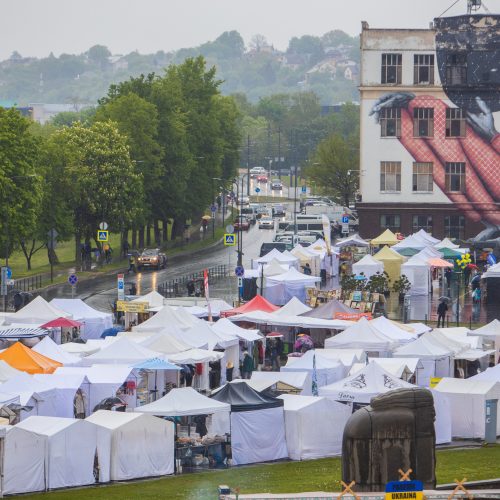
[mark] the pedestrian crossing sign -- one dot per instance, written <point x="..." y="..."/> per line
<point x="102" y="235"/>
<point x="229" y="239"/>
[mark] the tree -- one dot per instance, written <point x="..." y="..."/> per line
<point x="335" y="167"/>
<point x="99" y="55"/>
<point x="67" y="118"/>
<point x="258" y="42"/>
<point x="19" y="183"/>
<point x="309" y="46"/>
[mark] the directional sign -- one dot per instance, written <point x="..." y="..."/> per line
<point x="345" y="219"/>
<point x="8" y="272"/>
<point x="229" y="228"/>
<point x="102" y="235"/>
<point x="239" y="271"/>
<point x="257" y="190"/>
<point x="229" y="240"/>
<point x="304" y="189"/>
<point x="72" y="279"/>
<point x="103" y="226"/>
<point x="121" y="287"/>
<point x="213" y="208"/>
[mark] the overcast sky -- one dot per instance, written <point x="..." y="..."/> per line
<point x="38" y="27"/>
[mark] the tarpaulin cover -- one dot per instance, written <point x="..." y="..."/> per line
<point x="243" y="398"/>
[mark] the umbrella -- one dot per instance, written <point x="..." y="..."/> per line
<point x="472" y="266"/>
<point x="444" y="299"/>
<point x="156" y="364"/>
<point x="111" y="332"/>
<point x="207" y="217"/>
<point x="303" y="341"/>
<point x="61" y="323"/>
<point x="274" y="335"/>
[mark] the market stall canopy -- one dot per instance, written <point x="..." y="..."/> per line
<point x="449" y="253"/>
<point x="122" y="351"/>
<point x="361" y="387"/>
<point x="258" y="303"/>
<point x="329" y="309"/>
<point x="61" y="323"/>
<point x="407" y="252"/>
<point x="79" y="349"/>
<point x="153" y="298"/>
<point x="352" y="241"/>
<point x="327" y="370"/>
<point x="425" y="236"/>
<point x="392" y="262"/>
<point x="25" y="359"/>
<point x="491" y="330"/>
<point x="182" y="402"/>
<point x="297" y="380"/>
<point x="194" y="356"/>
<point x="165" y="342"/>
<point x="361" y="335"/>
<point x="492" y="272"/>
<point x="47" y="347"/>
<point x="294" y="276"/>
<point x="492" y="374"/>
<point x="7" y="371"/>
<point x="293" y="307"/>
<point x="37" y="312"/>
<point x="417" y="271"/>
<point x="399" y="367"/>
<point x="99" y="374"/>
<point x="439" y="263"/>
<point x="213" y="338"/>
<point x="424" y="349"/>
<point x="156" y="364"/>
<point x="411" y="242"/>
<point x="446" y="243"/>
<point x="165" y="317"/>
<point x="241" y="397"/>
<point x="346" y="356"/>
<point x="28" y="388"/>
<point x="14" y="332"/>
<point x="389" y="329"/>
<point x="386" y="238"/>
<point x="282" y="258"/>
<point x="368" y="266"/>
<point x="226" y="326"/>
<point x="271" y="269"/>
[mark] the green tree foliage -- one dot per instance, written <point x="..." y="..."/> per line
<point x="20" y="191"/>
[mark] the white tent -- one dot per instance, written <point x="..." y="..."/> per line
<point x="360" y="387"/>
<point x="283" y="380"/>
<point x="281" y="257"/>
<point x="294" y="307"/>
<point x="163" y="342"/>
<point x="442" y="424"/>
<point x="37" y="312"/>
<point x="153" y="298"/>
<point x="314" y="426"/>
<point x="418" y="273"/>
<point x="468" y="404"/>
<point x="194" y="356"/>
<point x="7" y="372"/>
<point x="205" y="333"/>
<point x="94" y="321"/>
<point x="122" y="351"/>
<point x="327" y="370"/>
<point x="352" y="241"/>
<point x="491" y="374"/>
<point x="403" y="368"/>
<point x="446" y="243"/>
<point x="293" y="284"/>
<point x="490" y="330"/>
<point x="47" y="347"/>
<point x="78" y="349"/>
<point x="346" y="356"/>
<point x="361" y="335"/>
<point x="48" y="452"/>
<point x="166" y="317"/>
<point x="436" y="359"/>
<point x="391" y="330"/>
<point x="271" y="269"/>
<point x="184" y="401"/>
<point x="411" y="242"/>
<point x="425" y="236"/>
<point x="368" y="266"/>
<point x="226" y="326"/>
<point x="305" y="256"/>
<point x="132" y="445"/>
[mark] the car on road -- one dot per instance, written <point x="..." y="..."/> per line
<point x="241" y="223"/>
<point x="266" y="223"/>
<point x="276" y="185"/>
<point x="151" y="258"/>
<point x="250" y="213"/>
<point x="262" y="178"/>
<point x="279" y="211"/>
<point x="243" y="201"/>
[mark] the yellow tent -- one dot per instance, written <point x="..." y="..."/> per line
<point x="392" y="262"/>
<point x="386" y="238"/>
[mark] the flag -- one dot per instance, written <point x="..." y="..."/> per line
<point x="207" y="295"/>
<point x="314" y="378"/>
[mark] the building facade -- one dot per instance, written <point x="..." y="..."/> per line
<point x="429" y="114"/>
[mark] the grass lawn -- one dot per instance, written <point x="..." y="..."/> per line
<point x="312" y="475"/>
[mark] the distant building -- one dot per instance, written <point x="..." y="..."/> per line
<point x="42" y="113"/>
<point x="422" y="166"/>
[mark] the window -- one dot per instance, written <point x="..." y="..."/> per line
<point x="391" y="68"/>
<point x="454" y="226"/>
<point x="423" y="122"/>
<point x="455" y="177"/>
<point x="422" y="177"/>
<point x="392" y="222"/>
<point x="390" y="176"/>
<point x="422" y="222"/>
<point x="423" y="69"/>
<point x="390" y="122"/>
<point x="456" y="69"/>
<point x="455" y="122"/>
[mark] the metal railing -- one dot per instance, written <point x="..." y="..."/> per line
<point x="177" y="287"/>
<point x="29" y="283"/>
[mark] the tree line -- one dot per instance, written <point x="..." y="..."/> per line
<point x="146" y="158"/>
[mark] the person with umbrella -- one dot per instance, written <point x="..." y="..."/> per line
<point x="303" y="343"/>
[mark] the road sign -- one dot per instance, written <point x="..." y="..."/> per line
<point x="121" y="287"/>
<point x="345" y="228"/>
<point x="240" y="282"/>
<point x="397" y="490"/>
<point x="103" y="226"/>
<point x="102" y="235"/>
<point x="304" y="189"/>
<point x="257" y="189"/>
<point x="229" y="228"/>
<point x="213" y="208"/>
<point x="345" y="219"/>
<point x="8" y="272"/>
<point x="4" y="278"/>
<point x="72" y="279"/>
<point x="239" y="271"/>
<point x="230" y="240"/>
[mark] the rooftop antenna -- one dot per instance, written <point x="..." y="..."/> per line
<point x="473" y="6"/>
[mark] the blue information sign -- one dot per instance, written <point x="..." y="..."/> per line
<point x="257" y="190"/>
<point x="345" y="219"/>
<point x="402" y="486"/>
<point x="72" y="279"/>
<point x="239" y="271"/>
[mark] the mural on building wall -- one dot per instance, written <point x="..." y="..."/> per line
<point x="468" y="59"/>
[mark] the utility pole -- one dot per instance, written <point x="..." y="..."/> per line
<point x="279" y="152"/>
<point x="248" y="168"/>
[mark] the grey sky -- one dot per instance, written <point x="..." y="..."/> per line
<point x="37" y="27"/>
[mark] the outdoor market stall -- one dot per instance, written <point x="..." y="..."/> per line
<point x="43" y="453"/>
<point x="392" y="262"/>
<point x="305" y="256"/>
<point x="258" y="303"/>
<point x="47" y="347"/>
<point x="314" y="426"/>
<point x="284" y="381"/>
<point x="386" y="238"/>
<point x="418" y="272"/>
<point x="288" y="285"/>
<point x="132" y="445"/>
<point x="257" y="424"/>
<point x="283" y="258"/>
<point x="37" y="312"/>
<point x="367" y="266"/>
<point x="25" y="359"/>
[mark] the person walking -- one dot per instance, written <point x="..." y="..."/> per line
<point x="248" y="366"/>
<point x="447" y="275"/>
<point x="442" y="310"/>
<point x="131" y="264"/>
<point x="307" y="269"/>
<point x="275" y="356"/>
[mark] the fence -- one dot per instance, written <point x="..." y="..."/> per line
<point x="178" y="287"/>
<point x="28" y="284"/>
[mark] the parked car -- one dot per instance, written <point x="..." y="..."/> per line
<point x="276" y="185"/>
<point x="262" y="178"/>
<point x="241" y="223"/>
<point x="152" y="258"/>
<point x="279" y="211"/>
<point x="243" y="201"/>
<point x="250" y="213"/>
<point x="266" y="223"/>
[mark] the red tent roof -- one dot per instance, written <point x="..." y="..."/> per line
<point x="61" y="323"/>
<point x="258" y="303"/>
